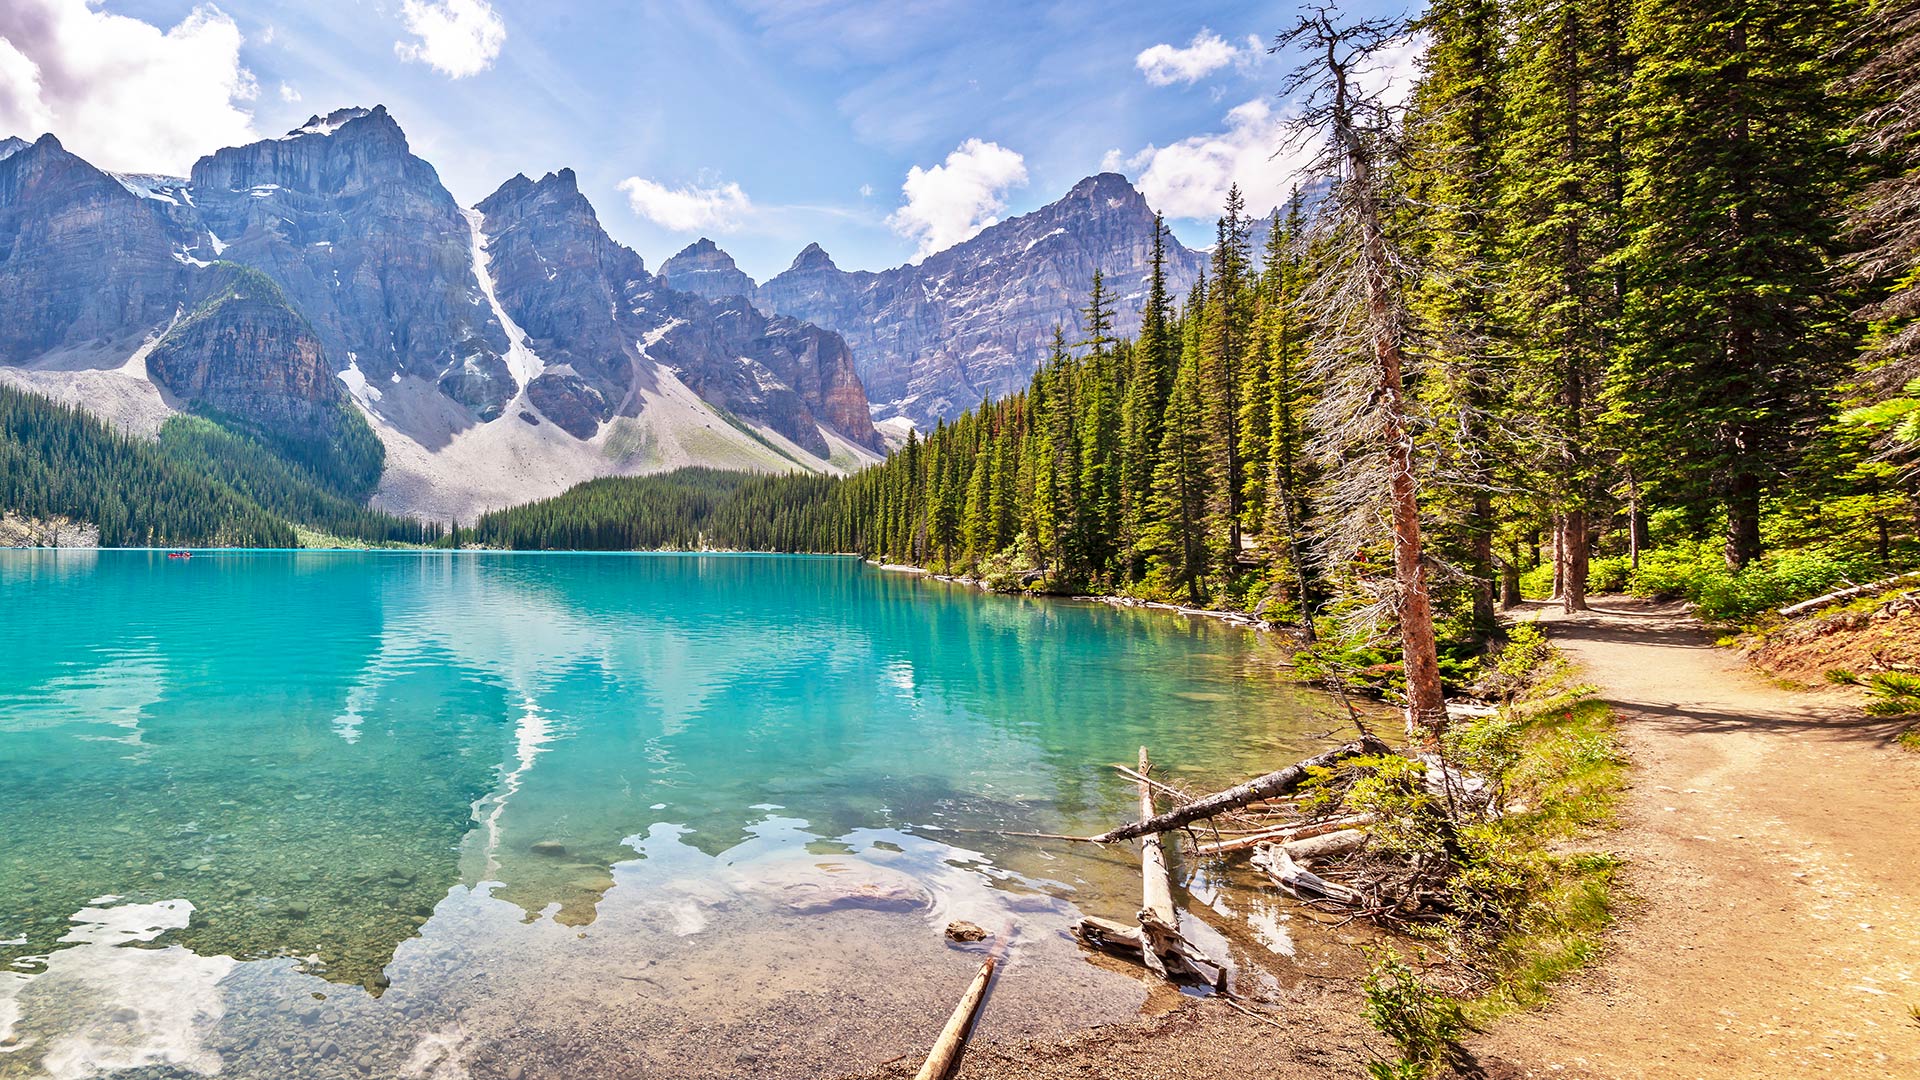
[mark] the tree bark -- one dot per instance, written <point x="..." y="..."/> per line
<point x="1281" y="835"/>
<point x="1420" y="657"/>
<point x="1159" y="921"/>
<point x="1480" y="554"/>
<point x="1573" y="550"/>
<point x="1743" y="519"/>
<point x="1274" y="861"/>
<point x="1559" y="558"/>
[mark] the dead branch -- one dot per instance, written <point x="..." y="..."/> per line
<point x="947" y="1049"/>
<point x="1282" y="834"/>
<point x="1265" y="787"/>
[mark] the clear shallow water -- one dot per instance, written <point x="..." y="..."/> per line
<point x="436" y="815"/>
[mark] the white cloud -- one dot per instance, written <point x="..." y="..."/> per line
<point x="951" y="202"/>
<point x="866" y="191"/>
<point x="722" y="206"/>
<point x="458" y="38"/>
<point x="122" y="93"/>
<point x="1207" y="53"/>
<point x="1190" y="178"/>
<point x="288" y="93"/>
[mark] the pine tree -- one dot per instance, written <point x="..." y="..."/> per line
<point x="1886" y="219"/>
<point x="1289" y="400"/>
<point x="1732" y="336"/>
<point x="1226" y="334"/>
<point x="1144" y="412"/>
<point x="1455" y="128"/>
<point x="1178" y="530"/>
<point x="1366" y="423"/>
<point x="1098" y="510"/>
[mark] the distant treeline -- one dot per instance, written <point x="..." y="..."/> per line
<point x="56" y="459"/>
<point x="200" y="484"/>
<point x="683" y="510"/>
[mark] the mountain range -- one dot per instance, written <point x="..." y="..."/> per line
<point x="324" y="288"/>
<point x="933" y="339"/>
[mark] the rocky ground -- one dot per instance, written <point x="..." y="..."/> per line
<point x="19" y="531"/>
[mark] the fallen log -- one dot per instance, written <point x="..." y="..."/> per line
<point x="1273" y="860"/>
<point x="1326" y="845"/>
<point x="1265" y="787"/>
<point x="1282" y="834"/>
<point x="945" y="1055"/>
<point x="1838" y="595"/>
<point x="1110" y="935"/>
<point x="1159" y="922"/>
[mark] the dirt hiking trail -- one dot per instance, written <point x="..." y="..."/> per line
<point x="1773" y="845"/>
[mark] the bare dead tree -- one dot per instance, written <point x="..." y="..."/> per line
<point x="1357" y="296"/>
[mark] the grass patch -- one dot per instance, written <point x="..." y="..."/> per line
<point x="1529" y="899"/>
<point x="1564" y="786"/>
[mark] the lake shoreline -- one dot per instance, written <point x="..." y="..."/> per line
<point x="1236" y="618"/>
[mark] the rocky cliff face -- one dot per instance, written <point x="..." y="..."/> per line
<point x="594" y="314"/>
<point x="243" y="351"/>
<point x="977" y="319"/>
<point x="85" y="262"/>
<point x="368" y="246"/>
<point x="702" y="269"/>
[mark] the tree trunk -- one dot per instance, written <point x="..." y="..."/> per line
<point x="1420" y="658"/>
<point x="944" y="1058"/>
<point x="1559" y="557"/>
<point x="1510" y="582"/>
<point x="1743" y="519"/>
<point x="1573" y="552"/>
<point x="1636" y="530"/>
<point x="1480" y="555"/>
<point x="1159" y="921"/>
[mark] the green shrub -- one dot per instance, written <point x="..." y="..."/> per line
<point x="1669" y="573"/>
<point x="1889" y="693"/>
<point x="1697" y="571"/>
<point x="1525" y="650"/>
<point x="1537" y="583"/>
<point x="1424" y="1024"/>
<point x="1609" y="574"/>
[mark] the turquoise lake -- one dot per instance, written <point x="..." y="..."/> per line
<point x="488" y="815"/>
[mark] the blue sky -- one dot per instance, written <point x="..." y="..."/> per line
<point x="762" y="123"/>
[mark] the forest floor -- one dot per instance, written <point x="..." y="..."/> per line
<point x="1774" y="870"/>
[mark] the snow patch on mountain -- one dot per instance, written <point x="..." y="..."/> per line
<point x="522" y="361"/>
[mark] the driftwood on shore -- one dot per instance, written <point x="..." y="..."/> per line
<point x="1325" y="845"/>
<point x="945" y="1055"/>
<point x="1157" y="941"/>
<point x="1282" y="834"/>
<point x="1270" y="786"/>
<point x="1274" y="861"/>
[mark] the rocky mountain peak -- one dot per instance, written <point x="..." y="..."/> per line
<point x="1107" y="184"/>
<point x="932" y="340"/>
<point x="10" y="145"/>
<point x="345" y="152"/>
<point x="703" y="269"/>
<point x="812" y="257"/>
<point x="334" y="121"/>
